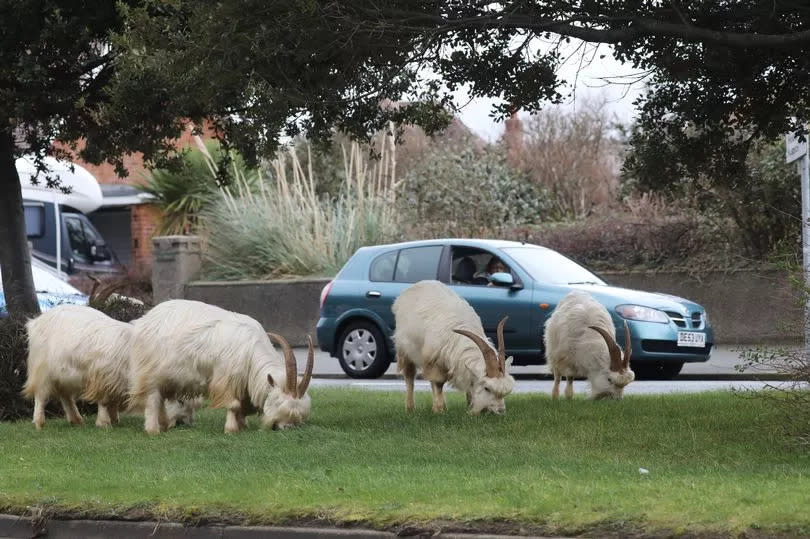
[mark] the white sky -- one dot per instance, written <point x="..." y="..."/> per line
<point x="619" y="94"/>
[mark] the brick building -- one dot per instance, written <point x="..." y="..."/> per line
<point x="127" y="219"/>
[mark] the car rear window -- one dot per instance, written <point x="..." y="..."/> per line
<point x="382" y="269"/>
<point x="417" y="264"/>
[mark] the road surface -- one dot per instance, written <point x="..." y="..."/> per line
<point x="719" y="373"/>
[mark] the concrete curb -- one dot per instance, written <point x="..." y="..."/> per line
<point x="16" y="527"/>
<point x="719" y="377"/>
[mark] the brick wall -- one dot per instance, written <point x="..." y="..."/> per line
<point x="145" y="219"/>
<point x="105" y="172"/>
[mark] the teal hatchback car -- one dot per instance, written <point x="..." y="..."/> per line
<point x="498" y="278"/>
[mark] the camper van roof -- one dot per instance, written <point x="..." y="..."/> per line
<point x="85" y="194"/>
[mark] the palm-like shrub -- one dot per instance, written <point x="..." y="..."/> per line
<point x="281" y="227"/>
<point x="182" y="194"/>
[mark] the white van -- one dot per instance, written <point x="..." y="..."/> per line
<point x="75" y="241"/>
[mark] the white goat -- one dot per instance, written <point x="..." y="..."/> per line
<point x="440" y="333"/>
<point x="78" y="352"/>
<point x="580" y="340"/>
<point x="186" y="349"/>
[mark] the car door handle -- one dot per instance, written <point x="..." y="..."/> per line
<point x="373" y="294"/>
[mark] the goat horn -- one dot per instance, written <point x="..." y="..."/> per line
<point x="502" y="346"/>
<point x="104" y="293"/>
<point x="302" y="387"/>
<point x="628" y="348"/>
<point x="490" y="357"/>
<point x="96" y="283"/>
<point x="613" y="348"/>
<point x="289" y="362"/>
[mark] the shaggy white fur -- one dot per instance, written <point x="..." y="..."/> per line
<point x="77" y="352"/>
<point x="427" y="316"/>
<point x="187" y="349"/>
<point x="575" y="349"/>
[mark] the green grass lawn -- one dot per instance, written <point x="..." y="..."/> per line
<point x="716" y="462"/>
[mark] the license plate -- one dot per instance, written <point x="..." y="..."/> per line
<point x="692" y="339"/>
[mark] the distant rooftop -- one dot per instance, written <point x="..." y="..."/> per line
<point x="118" y="195"/>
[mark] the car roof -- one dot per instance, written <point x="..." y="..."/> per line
<point x="495" y="244"/>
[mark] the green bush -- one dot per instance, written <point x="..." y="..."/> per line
<point x="461" y="191"/>
<point x="748" y="183"/>
<point x="648" y="232"/>
<point x="13" y="353"/>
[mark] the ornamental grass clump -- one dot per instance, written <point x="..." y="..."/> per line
<point x="279" y="227"/>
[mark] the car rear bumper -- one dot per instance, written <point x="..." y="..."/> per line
<point x="325" y="330"/>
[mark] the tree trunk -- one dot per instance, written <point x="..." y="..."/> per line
<point x="15" y="258"/>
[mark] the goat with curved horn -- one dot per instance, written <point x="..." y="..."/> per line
<point x="580" y="341"/>
<point x="194" y="349"/>
<point x="440" y="333"/>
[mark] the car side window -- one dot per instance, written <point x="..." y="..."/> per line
<point x="473" y="266"/>
<point x="417" y="264"/>
<point x="382" y="269"/>
<point x="78" y="241"/>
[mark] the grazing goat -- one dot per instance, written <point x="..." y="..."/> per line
<point x="77" y="352"/>
<point x="580" y="340"/>
<point x="440" y="333"/>
<point x="185" y="349"/>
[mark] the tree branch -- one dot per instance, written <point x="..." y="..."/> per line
<point x="595" y="29"/>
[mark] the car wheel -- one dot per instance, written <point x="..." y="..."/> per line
<point x="362" y="351"/>
<point x="657" y="370"/>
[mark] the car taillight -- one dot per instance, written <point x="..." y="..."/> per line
<point x="325" y="292"/>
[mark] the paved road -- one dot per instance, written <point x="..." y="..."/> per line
<point x="718" y="373"/>
<point x="544" y="386"/>
<point x="722" y="362"/>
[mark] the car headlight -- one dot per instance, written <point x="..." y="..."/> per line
<point x="645" y="314"/>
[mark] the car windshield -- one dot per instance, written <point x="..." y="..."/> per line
<point x="548" y="266"/>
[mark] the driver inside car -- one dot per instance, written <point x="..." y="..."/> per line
<point x="495" y="265"/>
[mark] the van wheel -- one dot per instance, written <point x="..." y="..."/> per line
<point x="362" y="351"/>
<point x="656" y="370"/>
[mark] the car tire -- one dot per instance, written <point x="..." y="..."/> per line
<point x="656" y="370"/>
<point x="362" y="351"/>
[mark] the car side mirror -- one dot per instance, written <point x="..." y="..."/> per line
<point x="99" y="251"/>
<point x="502" y="279"/>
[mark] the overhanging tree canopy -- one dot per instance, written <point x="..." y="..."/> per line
<point x="256" y="69"/>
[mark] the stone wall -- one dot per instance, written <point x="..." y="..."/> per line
<point x="744" y="307"/>
<point x="290" y="308"/>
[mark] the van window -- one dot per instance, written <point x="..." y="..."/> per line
<point x="80" y="248"/>
<point x="34" y="220"/>
<point x="382" y="269"/>
<point x="417" y="264"/>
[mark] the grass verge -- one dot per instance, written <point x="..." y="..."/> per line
<point x="716" y="466"/>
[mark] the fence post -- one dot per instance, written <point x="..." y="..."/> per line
<point x="176" y="261"/>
